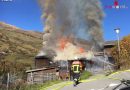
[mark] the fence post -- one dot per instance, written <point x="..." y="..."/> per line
<point x="8" y="78"/>
<point x="31" y="78"/>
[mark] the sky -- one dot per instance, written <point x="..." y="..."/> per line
<point x="26" y="14"/>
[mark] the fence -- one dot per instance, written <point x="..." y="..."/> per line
<point x="41" y="76"/>
<point x="10" y="81"/>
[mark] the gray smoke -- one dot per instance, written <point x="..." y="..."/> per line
<point x="72" y="19"/>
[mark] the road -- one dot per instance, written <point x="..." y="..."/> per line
<point x="100" y="83"/>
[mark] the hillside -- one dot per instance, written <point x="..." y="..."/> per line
<point x="18" y="45"/>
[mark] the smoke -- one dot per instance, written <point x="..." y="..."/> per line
<point x="72" y="19"/>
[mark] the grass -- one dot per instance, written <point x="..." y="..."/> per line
<point x="20" y="45"/>
<point x="85" y="75"/>
<point x="50" y="83"/>
<point x="32" y="87"/>
<point x="40" y="86"/>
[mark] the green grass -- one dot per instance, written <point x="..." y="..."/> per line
<point x="85" y="75"/>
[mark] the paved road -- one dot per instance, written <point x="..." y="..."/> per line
<point x="100" y="83"/>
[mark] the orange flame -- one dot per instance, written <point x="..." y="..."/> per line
<point x="63" y="43"/>
<point x="81" y="50"/>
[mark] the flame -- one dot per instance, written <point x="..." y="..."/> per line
<point x="81" y="50"/>
<point x="62" y="43"/>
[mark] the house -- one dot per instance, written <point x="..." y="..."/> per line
<point x="107" y="49"/>
<point x="44" y="59"/>
<point x="102" y="60"/>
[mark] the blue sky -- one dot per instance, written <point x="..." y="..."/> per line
<point x="26" y="14"/>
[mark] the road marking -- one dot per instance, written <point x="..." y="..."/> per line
<point x="110" y="76"/>
<point x="119" y="72"/>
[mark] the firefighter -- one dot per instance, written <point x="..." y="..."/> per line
<point x="76" y="70"/>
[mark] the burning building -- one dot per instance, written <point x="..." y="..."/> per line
<point x="72" y="31"/>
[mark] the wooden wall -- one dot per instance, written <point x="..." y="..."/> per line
<point x="40" y="63"/>
<point x="41" y="76"/>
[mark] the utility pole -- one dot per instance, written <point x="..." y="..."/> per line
<point x="117" y="30"/>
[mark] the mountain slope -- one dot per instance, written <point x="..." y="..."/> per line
<point x="19" y="45"/>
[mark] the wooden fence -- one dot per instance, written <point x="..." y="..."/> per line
<point x="41" y="76"/>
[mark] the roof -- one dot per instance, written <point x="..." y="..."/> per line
<point x="42" y="57"/>
<point x="40" y="69"/>
<point x="107" y="43"/>
<point x="98" y="53"/>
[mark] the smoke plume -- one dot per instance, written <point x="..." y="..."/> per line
<point x="72" y="19"/>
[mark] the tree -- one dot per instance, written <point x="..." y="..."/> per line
<point x="124" y="57"/>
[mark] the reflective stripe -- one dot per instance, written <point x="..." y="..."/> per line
<point x="76" y="68"/>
